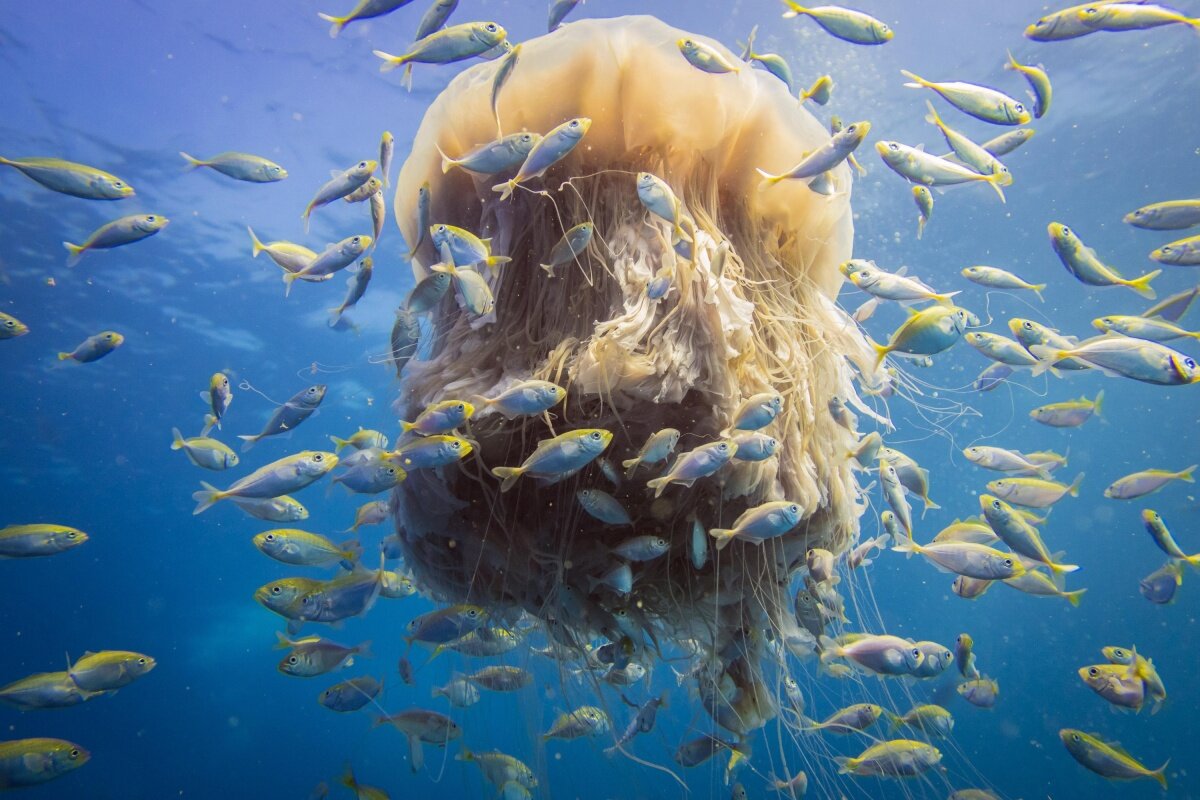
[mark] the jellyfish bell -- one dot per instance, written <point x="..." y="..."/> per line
<point x="750" y="309"/>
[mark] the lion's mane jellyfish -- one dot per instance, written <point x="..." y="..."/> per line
<point x="633" y="365"/>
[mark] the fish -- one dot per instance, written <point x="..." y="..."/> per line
<point x="773" y="62"/>
<point x="45" y="690"/>
<point x="455" y="43"/>
<point x="109" y="670"/>
<point x="866" y="451"/>
<point x="603" y="506"/>
<point x="1039" y="84"/>
<point x="997" y="278"/>
<point x="1059" y="26"/>
<point x="361" y="439"/>
<point x="482" y="643"/>
<point x="660" y="200"/>
<point x="218" y="396"/>
<point x="756" y="412"/>
<point x="1132" y="16"/>
<point x="1037" y="583"/>
<point x="315" y="656"/>
<point x="1020" y="536"/>
<point x="283" y="596"/>
<point x="371" y="477"/>
<point x="698" y="545"/>
<point x="123" y="231"/>
<point x="558" y="12"/>
<point x="937" y="660"/>
<point x="697" y="463"/>
<point x="428" y="293"/>
<point x="820" y="564"/>
<point x="844" y="23"/>
<point x="286" y="417"/>
<point x="301" y="548"/>
<point x="503" y="72"/>
<point x="896" y="758"/>
<point x="205" y="452"/>
<point x="441" y="417"/>
<point x="850" y="719"/>
<point x="361" y="790"/>
<point x="477" y="295"/>
<point x="1145" y="669"/>
<point x="824" y="158"/>
<point x="820" y="91"/>
<point x="364" y="9"/>
<point x="1158" y="530"/>
<point x="1069" y="413"/>
<point x="553" y="147"/>
<point x="759" y="523"/>
<point x="387" y="142"/>
<point x="924" y="200"/>
<point x="889" y="286"/>
<point x="969" y="530"/>
<point x="992" y="376"/>
<point x="363" y="192"/>
<point x="980" y="692"/>
<point x="272" y="509"/>
<point x="926" y="332"/>
<point x="280" y="477"/>
<point x="1107" y="759"/>
<point x="1034" y="492"/>
<point x="916" y="166"/>
<point x="930" y="719"/>
<point x="966" y="558"/>
<point x="459" y="691"/>
<point x="68" y="177"/>
<point x="968" y="152"/>
<point x="29" y="762"/>
<point x="430" y="452"/>
<point x="583" y="721"/>
<point x="350" y="695"/>
<point x="1120" y="356"/>
<point x="794" y="787"/>
<point x="94" y="348"/>
<point x="970" y="588"/>
<point x="465" y="248"/>
<point x="424" y="199"/>
<point x="705" y="58"/>
<point x="38" y="539"/>
<point x="695" y="752"/>
<point x="1159" y="587"/>
<point x="619" y="578"/>
<point x="395" y="586"/>
<point x="1169" y="215"/>
<point x="239" y="166"/>
<point x="557" y="458"/>
<point x="340" y="184"/>
<point x="642" y="722"/>
<point x="568" y="248"/>
<point x="893" y="492"/>
<point x="288" y="256"/>
<point x="422" y="727"/>
<point x="1152" y="329"/>
<point x="1181" y="253"/>
<point x="11" y="327"/>
<point x="964" y="652"/>
<point x="495" y="156"/>
<point x="1082" y="262"/>
<point x="977" y="101"/>
<point x="1030" y="333"/>
<point x="445" y="624"/>
<point x="882" y="655"/>
<point x="334" y="258"/>
<point x="1002" y="460"/>
<point x="1140" y="484"/>
<point x="501" y="678"/>
<point x="1116" y="683"/>
<point x="524" y="399"/>
<point x="500" y="769"/>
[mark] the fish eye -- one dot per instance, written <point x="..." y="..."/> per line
<point x="1008" y="562"/>
<point x="1189" y="362"/>
<point x="660" y="542"/>
<point x="1093" y="671"/>
<point x="1119" y="653"/>
<point x="1166" y="248"/>
<point x="270" y="537"/>
<point x="142" y="661"/>
<point x="276" y="590"/>
<point x="1066" y="231"/>
<point x="74" y="754"/>
<point x="362" y="165"/>
<point x="723" y="447"/>
<point x="490" y="27"/>
<point x="318" y="457"/>
<point x="596" y="435"/>
<point x="8" y="323"/>
<point x="1020" y="108"/>
<point x="996" y="504"/>
<point x="119" y="184"/>
<point x="916" y="651"/>
<point x="574" y="123"/>
<point x="460" y="407"/>
<point x="472" y="613"/>
<point x="1090" y="10"/>
<point x="108" y="337"/>
<point x="150" y="218"/>
<point x="688" y="43"/>
<point x="851" y="129"/>
<point x="795" y="509"/>
<point x="893" y="146"/>
<point x="292" y="659"/>
<point x="947" y="654"/>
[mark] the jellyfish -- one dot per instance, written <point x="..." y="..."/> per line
<point x="758" y="317"/>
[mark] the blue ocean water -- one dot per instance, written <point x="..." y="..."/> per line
<point x="126" y="85"/>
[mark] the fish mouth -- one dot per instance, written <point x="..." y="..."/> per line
<point x="881" y="147"/>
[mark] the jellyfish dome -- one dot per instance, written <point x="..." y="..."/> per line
<point x="748" y="309"/>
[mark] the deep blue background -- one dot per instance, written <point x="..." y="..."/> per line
<point x="125" y="85"/>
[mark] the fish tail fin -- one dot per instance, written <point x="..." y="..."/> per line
<point x="1073" y="489"/>
<point x="405" y="427"/>
<point x="907" y="547"/>
<point x="508" y="476"/>
<point x="249" y="440"/>
<point x="932" y="117"/>
<point x="1062" y="569"/>
<point x="505" y="189"/>
<point x="192" y="163"/>
<point x="549" y="269"/>
<point x="364" y="649"/>
<point x="255" y="245"/>
<point x="306" y="216"/>
<point x="1037" y="289"/>
<point x="406" y="78"/>
<point x="289" y="278"/>
<point x="881" y="352"/>
<point x="1186" y="475"/>
<point x="630" y="466"/>
<point x="1012" y="62"/>
<point x="916" y="81"/>
<point x="768" y="178"/>
<point x="794" y="9"/>
<point x="920" y="227"/>
<point x="929" y="505"/>
<point x="828" y="647"/>
<point x="995" y="180"/>
<point x="944" y="299"/>
<point x="390" y="62"/>
<point x="1160" y="774"/>
<point x="178" y="442"/>
<point x="495" y="262"/>
<point x="464" y="754"/>
<point x="337" y="23"/>
<point x="845" y="764"/>
<point x="658" y="485"/>
<point x="338" y="443"/>
<point x="1097" y="402"/>
<point x="1047" y="357"/>
<point x="347" y="777"/>
<point x="209" y="421"/>
<point x="1073" y="597"/>
<point x="894" y="721"/>
<point x="206" y="497"/>
<point x="447" y="161"/>
<point x="1142" y="285"/>
<point x="351" y="554"/>
<point x="723" y="536"/>
<point x="74" y="253"/>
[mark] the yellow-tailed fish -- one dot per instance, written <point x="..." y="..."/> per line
<point x="1082" y="262"/>
<point x="67" y="177"/>
<point x="1149" y="481"/>
<point x="125" y="230"/>
<point x="978" y="101"/>
<point x="844" y="23"/>
<point x="1107" y="759"/>
<point x="239" y="166"/>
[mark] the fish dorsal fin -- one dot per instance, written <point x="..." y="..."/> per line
<point x="87" y="653"/>
<point x="912" y="312"/>
<point x="900" y="273"/>
<point x="335" y="173"/>
<point x="920" y="147"/>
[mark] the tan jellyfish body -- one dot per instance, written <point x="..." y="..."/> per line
<point x="750" y="304"/>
